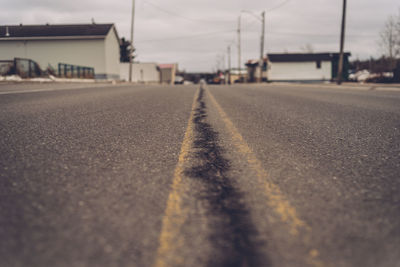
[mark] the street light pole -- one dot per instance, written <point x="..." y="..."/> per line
<point x="131" y="48"/>
<point x="229" y="64"/>
<point x="239" y="49"/>
<point x="261" y="62"/>
<point x="342" y="34"/>
<point x="261" y="65"/>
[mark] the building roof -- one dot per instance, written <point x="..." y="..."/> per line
<point x="54" y="31"/>
<point x="303" y="57"/>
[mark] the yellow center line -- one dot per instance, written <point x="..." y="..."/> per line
<point x="171" y="240"/>
<point x="276" y="198"/>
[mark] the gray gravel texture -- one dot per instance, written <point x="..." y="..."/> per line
<point x="335" y="154"/>
<point x="85" y="174"/>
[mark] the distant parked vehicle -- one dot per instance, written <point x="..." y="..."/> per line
<point x="179" y="80"/>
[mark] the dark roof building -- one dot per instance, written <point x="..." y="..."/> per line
<point x="303" y="57"/>
<point x="48" y="30"/>
<point x="52" y="46"/>
<point x="305" y="66"/>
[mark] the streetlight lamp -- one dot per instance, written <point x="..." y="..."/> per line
<point x="262" y="20"/>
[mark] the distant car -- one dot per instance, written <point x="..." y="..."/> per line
<point x="179" y="80"/>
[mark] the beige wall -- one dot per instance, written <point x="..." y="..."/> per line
<point x="112" y="55"/>
<point x="167" y="75"/>
<point x="141" y="72"/>
<point x="286" y="71"/>
<point x="88" y="53"/>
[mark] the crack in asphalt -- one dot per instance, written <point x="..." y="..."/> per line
<point x="233" y="234"/>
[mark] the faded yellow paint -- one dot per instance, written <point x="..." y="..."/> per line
<point x="276" y="199"/>
<point x="313" y="258"/>
<point x="175" y="214"/>
<point x="171" y="240"/>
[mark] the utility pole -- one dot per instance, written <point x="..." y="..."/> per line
<point x="131" y="50"/>
<point x="262" y="39"/>
<point x="239" y="50"/>
<point x="229" y="64"/>
<point x="261" y="65"/>
<point x="342" y="33"/>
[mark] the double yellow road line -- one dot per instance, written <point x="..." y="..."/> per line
<point x="171" y="239"/>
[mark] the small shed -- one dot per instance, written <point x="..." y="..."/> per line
<point x="305" y="66"/>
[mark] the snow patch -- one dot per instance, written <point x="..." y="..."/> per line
<point x="50" y="78"/>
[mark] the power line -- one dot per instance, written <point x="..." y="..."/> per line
<point x="305" y="34"/>
<point x="232" y="30"/>
<point x="167" y="11"/>
<point x="249" y="25"/>
<point x="186" y="36"/>
<point x="278" y="6"/>
<point x="183" y="17"/>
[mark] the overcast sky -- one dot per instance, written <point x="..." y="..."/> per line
<point x="196" y="33"/>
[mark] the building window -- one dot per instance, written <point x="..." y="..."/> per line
<point x="318" y="64"/>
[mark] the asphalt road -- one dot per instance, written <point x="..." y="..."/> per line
<point x="272" y="175"/>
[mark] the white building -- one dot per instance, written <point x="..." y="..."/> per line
<point x="305" y="67"/>
<point x="141" y="72"/>
<point x="87" y="45"/>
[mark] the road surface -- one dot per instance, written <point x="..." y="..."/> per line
<point x="244" y="175"/>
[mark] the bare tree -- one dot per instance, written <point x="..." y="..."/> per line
<point x="390" y="39"/>
<point x="397" y="50"/>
